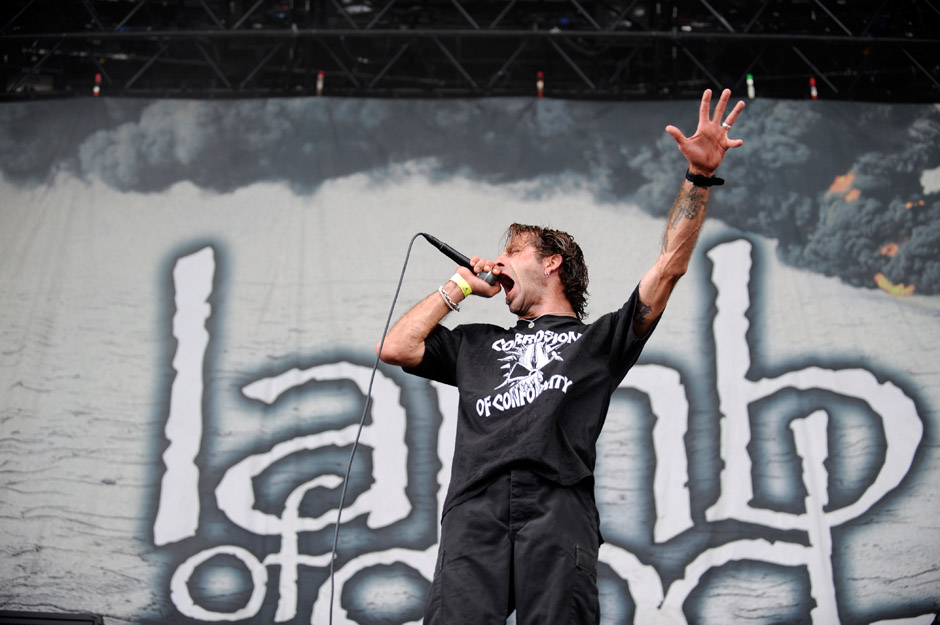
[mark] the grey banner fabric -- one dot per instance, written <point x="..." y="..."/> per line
<point x="193" y="291"/>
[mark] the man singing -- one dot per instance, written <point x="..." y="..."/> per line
<point x="520" y="528"/>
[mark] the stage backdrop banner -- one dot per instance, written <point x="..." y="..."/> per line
<point x="192" y="294"/>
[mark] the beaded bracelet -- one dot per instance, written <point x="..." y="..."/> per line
<point x="447" y="300"/>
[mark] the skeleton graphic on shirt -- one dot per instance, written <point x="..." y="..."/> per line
<point x="531" y="358"/>
<point x="524" y="358"/>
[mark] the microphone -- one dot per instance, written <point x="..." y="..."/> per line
<point x="458" y="258"/>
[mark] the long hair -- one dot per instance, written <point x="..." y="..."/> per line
<point x="573" y="271"/>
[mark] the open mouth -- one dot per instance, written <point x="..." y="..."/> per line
<point x="506" y="282"/>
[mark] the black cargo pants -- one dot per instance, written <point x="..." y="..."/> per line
<point x="523" y="543"/>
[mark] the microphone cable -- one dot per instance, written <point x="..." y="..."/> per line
<point x="362" y="420"/>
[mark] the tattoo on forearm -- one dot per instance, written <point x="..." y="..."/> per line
<point x="694" y="207"/>
<point x="642" y="312"/>
<point x="689" y="205"/>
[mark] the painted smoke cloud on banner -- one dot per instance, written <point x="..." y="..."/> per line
<point x="848" y="190"/>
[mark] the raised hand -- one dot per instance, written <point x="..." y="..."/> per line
<point x="706" y="148"/>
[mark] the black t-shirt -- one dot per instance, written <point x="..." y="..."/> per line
<point x="530" y="397"/>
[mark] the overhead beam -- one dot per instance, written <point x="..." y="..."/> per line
<point x="432" y="33"/>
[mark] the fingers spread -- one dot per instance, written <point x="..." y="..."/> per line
<point x="733" y="115"/>
<point x="722" y="104"/>
<point x="705" y="106"/>
<point x="676" y="134"/>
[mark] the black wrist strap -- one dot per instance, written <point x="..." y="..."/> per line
<point x="703" y="181"/>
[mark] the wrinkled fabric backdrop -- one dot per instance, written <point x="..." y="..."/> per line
<point x="192" y="292"/>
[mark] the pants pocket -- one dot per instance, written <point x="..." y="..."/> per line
<point x="585" y="606"/>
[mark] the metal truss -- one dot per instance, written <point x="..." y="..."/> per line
<point x="873" y="50"/>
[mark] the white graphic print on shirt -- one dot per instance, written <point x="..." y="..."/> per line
<point x="526" y="355"/>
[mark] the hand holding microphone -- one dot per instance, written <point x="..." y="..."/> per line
<point x="461" y="260"/>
